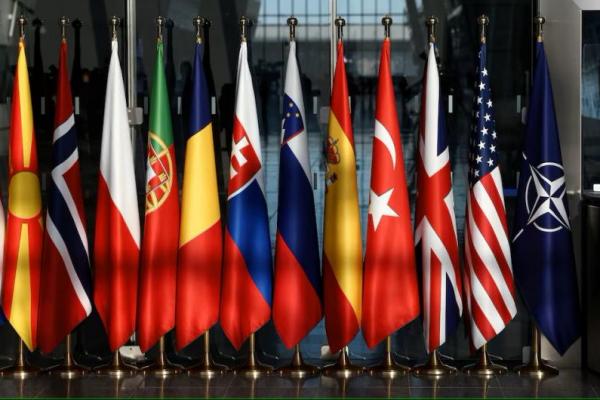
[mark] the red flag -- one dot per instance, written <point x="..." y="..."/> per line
<point x="391" y="293"/>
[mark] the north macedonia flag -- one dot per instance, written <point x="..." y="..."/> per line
<point x="23" y="248"/>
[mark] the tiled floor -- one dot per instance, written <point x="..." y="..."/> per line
<point x="570" y="383"/>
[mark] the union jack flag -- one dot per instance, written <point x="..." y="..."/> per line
<point x="435" y="234"/>
<point x="489" y="285"/>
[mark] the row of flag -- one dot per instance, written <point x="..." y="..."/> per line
<point x="185" y="272"/>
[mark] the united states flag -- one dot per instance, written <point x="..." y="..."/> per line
<point x="489" y="285"/>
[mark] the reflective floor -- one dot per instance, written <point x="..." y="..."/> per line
<point x="570" y="383"/>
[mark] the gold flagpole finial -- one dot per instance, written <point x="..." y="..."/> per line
<point x="539" y="22"/>
<point x="199" y="23"/>
<point x="340" y="23"/>
<point x="292" y="23"/>
<point x="387" y="22"/>
<point x="62" y="22"/>
<point x="245" y="24"/>
<point x="483" y="22"/>
<point x="160" y="23"/>
<point x="22" y="22"/>
<point x="114" y="24"/>
<point x="431" y="23"/>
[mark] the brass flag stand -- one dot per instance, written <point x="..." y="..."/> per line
<point x="484" y="366"/>
<point x="434" y="367"/>
<point x="253" y="369"/>
<point x="206" y="368"/>
<point x="343" y="368"/>
<point x="69" y="369"/>
<point x="536" y="368"/>
<point x="298" y="369"/>
<point x="161" y="368"/>
<point x="388" y="369"/>
<point x="21" y="370"/>
<point x="117" y="368"/>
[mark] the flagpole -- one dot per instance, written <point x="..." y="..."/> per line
<point x="253" y="369"/>
<point x="297" y="369"/>
<point x="388" y="368"/>
<point x="207" y="368"/>
<point x="484" y="367"/>
<point x="21" y="370"/>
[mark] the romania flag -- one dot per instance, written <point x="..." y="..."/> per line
<point x="342" y="258"/>
<point x="200" y="237"/>
<point x="23" y="246"/>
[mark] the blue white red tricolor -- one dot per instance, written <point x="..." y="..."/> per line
<point x="297" y="292"/>
<point x="247" y="266"/>
<point x="66" y="288"/>
<point x="435" y="233"/>
<point x="488" y="280"/>
<point x="543" y="258"/>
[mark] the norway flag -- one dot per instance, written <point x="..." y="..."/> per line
<point x="247" y="269"/>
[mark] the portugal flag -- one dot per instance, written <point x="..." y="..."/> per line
<point x="156" y="312"/>
<point x="391" y="292"/>
<point x="201" y="237"/>
<point x="23" y="246"/>
<point x="342" y="258"/>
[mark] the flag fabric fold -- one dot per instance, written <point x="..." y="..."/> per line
<point x="247" y="267"/>
<point x="117" y="236"/>
<point x="390" y="291"/>
<point x="160" y="241"/>
<point x="544" y="262"/>
<point x="24" y="226"/>
<point x="435" y="232"/>
<point x="342" y="247"/>
<point x="297" y="291"/>
<point x="488" y="277"/>
<point x="66" y="292"/>
<point x="200" y="238"/>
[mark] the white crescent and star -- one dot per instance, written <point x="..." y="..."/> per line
<point x="379" y="204"/>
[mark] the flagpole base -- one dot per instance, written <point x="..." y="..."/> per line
<point x="20" y="371"/>
<point x="536" y="367"/>
<point x="539" y="370"/>
<point x="484" y="367"/>
<point x="68" y="371"/>
<point x="343" y="368"/>
<point x="253" y="369"/>
<point x="297" y="369"/>
<point x="388" y="370"/>
<point x="434" y="367"/>
<point x="207" y="371"/>
<point x="117" y="368"/>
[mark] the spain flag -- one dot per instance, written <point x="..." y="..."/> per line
<point x="342" y="258"/>
<point x="23" y="246"/>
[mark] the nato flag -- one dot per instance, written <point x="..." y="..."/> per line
<point x="543" y="259"/>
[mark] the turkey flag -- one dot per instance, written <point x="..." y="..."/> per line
<point x="390" y="292"/>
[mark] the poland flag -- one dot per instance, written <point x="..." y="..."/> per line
<point x="117" y="239"/>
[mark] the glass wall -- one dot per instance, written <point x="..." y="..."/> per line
<point x="509" y="60"/>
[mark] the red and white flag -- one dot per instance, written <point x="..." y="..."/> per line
<point x="391" y="292"/>
<point x="117" y="239"/>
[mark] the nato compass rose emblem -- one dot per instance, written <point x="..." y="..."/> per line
<point x="159" y="176"/>
<point x="544" y="198"/>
